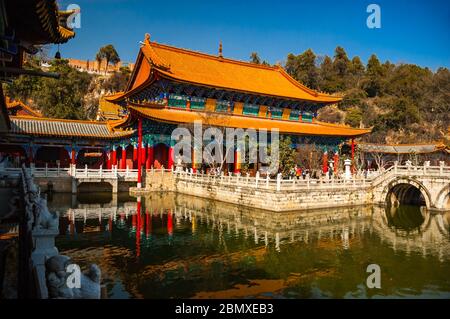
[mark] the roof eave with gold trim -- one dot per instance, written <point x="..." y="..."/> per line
<point x="179" y="116"/>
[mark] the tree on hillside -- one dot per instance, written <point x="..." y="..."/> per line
<point x="327" y="78"/>
<point x="356" y="72"/>
<point x="109" y="53"/>
<point x="303" y="68"/>
<point x="63" y="97"/>
<point x="254" y="58"/>
<point x="374" y="75"/>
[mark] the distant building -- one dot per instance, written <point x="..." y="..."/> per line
<point x="95" y="67"/>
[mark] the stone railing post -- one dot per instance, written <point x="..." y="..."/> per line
<point x="307" y="181"/>
<point x="395" y="167"/>
<point x="278" y="182"/>
<point x="101" y="171"/>
<point x="85" y="170"/>
<point x="256" y="179"/>
<point x="441" y="167"/>
<point x="126" y="172"/>
<point x="408" y="165"/>
<point x="267" y="181"/>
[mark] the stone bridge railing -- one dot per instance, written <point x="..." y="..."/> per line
<point x="280" y="184"/>
<point x="77" y="173"/>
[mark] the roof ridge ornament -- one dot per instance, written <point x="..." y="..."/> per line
<point x="220" y="49"/>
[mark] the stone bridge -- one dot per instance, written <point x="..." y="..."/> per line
<point x="421" y="185"/>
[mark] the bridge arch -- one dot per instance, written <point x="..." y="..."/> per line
<point x="406" y="191"/>
<point x="443" y="198"/>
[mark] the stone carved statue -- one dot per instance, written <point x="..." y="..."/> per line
<point x="42" y="216"/>
<point x="57" y="278"/>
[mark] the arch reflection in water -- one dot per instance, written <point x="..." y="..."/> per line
<point x="179" y="246"/>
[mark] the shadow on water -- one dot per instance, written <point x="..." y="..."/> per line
<point x="406" y="217"/>
<point x="176" y="246"/>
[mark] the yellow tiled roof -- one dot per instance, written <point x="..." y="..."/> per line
<point x="11" y="104"/>
<point x="218" y="72"/>
<point x="241" y="121"/>
<point x="65" y="128"/>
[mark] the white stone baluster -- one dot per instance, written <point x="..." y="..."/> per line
<point x="278" y="181"/>
<point x="256" y="179"/>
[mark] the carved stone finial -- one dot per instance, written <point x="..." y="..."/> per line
<point x="147" y="37"/>
<point x="220" y="50"/>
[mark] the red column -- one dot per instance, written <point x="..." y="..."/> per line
<point x="170" y="158"/>
<point x="325" y="162"/>
<point x="353" y="154"/>
<point x="237" y="161"/>
<point x="144" y="154"/>
<point x="135" y="153"/>
<point x="336" y="162"/>
<point x="114" y="156"/>
<point x="123" y="162"/>
<point x="149" y="156"/>
<point x="139" y="181"/>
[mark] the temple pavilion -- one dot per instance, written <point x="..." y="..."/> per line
<point x="172" y="87"/>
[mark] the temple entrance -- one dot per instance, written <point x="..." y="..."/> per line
<point x="52" y="156"/>
<point x="160" y="155"/>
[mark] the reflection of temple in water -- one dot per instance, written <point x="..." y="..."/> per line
<point x="335" y="227"/>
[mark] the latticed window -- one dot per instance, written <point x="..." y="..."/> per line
<point x="224" y="106"/>
<point x="307" y="116"/>
<point x="294" y="115"/>
<point x="197" y="103"/>
<point x="276" y="112"/>
<point x="250" y="109"/>
<point x="178" y="100"/>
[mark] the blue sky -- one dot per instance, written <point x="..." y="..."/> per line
<point x="411" y="31"/>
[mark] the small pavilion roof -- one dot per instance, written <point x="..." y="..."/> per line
<point x="66" y="128"/>
<point x="18" y="104"/>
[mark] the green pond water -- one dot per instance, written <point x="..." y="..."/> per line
<point x="174" y="246"/>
